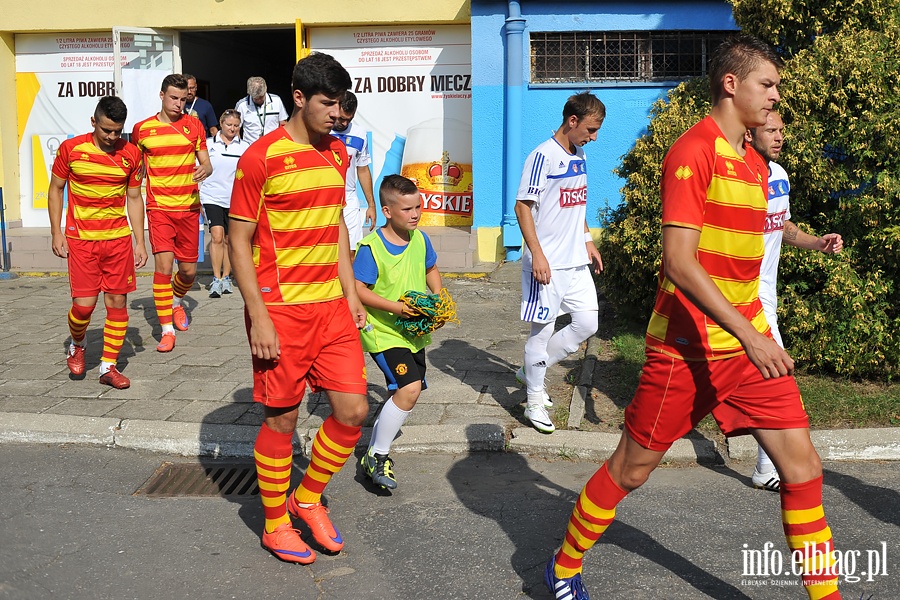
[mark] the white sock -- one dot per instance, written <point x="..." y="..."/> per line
<point x="176" y="301"/>
<point x="566" y="341"/>
<point x="168" y="329"/>
<point x="536" y="358"/>
<point x="387" y="426"/>
<point x="105" y="367"/>
<point x="763" y="462"/>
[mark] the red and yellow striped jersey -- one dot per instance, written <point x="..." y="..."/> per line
<point x="709" y="187"/>
<point x="98" y="182"/>
<point x="295" y="194"/>
<point x="169" y="151"/>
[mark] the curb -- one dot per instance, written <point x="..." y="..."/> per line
<point x="489" y="435"/>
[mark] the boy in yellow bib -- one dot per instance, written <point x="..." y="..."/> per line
<point x="390" y="261"/>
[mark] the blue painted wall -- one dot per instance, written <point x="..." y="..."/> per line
<point x="627" y="107"/>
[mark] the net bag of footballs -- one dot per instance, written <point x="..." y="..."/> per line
<point x="433" y="312"/>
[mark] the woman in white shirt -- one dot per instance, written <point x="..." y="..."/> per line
<point x="225" y="148"/>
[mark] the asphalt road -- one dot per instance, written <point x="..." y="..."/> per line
<point x="471" y="526"/>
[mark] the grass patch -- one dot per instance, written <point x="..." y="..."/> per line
<point x="831" y="402"/>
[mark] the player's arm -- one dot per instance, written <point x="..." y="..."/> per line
<point x="203" y="168"/>
<point x="830" y="243"/>
<point x="134" y="204"/>
<point x="680" y="246"/>
<point x="55" y="210"/>
<point x="540" y="267"/>
<point x="373" y="300"/>
<point x="263" y="338"/>
<point x="593" y="252"/>
<point x="433" y="280"/>
<point x="364" y="177"/>
<point x="345" y="274"/>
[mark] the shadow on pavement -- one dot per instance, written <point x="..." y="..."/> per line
<point x="881" y="503"/>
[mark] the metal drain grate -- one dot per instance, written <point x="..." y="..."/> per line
<point x="190" y="479"/>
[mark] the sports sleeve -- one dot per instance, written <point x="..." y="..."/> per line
<point x="686" y="175"/>
<point x="61" y="162"/>
<point x="209" y="117"/>
<point x="249" y="182"/>
<point x="430" y="254"/>
<point x="534" y="177"/>
<point x="282" y="114"/>
<point x="363" y="159"/>
<point x="365" y="268"/>
<point x="137" y="167"/>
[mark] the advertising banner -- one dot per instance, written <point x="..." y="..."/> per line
<point x="414" y="86"/>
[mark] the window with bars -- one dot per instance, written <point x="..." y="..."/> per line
<point x="612" y="56"/>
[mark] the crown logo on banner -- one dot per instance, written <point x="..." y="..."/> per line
<point x="445" y="172"/>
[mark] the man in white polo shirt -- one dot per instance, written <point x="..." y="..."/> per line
<point x="355" y="138"/>
<point x="261" y="112"/>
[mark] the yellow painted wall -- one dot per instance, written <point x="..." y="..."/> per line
<point x="9" y="138"/>
<point x="91" y="15"/>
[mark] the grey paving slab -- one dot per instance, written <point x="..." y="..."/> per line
<point x="151" y="410"/>
<point x="203" y="389"/>
<point x="84" y="407"/>
<point x="426" y="414"/>
<point x="202" y="373"/>
<point x="142" y="389"/>
<point x="34" y="371"/>
<point x="89" y="387"/>
<point x="199" y="411"/>
<point x="28" y="404"/>
<point x="467" y="413"/>
<point x="23" y="388"/>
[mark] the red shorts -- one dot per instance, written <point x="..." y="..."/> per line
<point x="178" y="232"/>
<point x="101" y="265"/>
<point x="674" y="395"/>
<point x="319" y="345"/>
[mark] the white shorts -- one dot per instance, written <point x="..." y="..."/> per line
<point x="569" y="291"/>
<point x="353" y="217"/>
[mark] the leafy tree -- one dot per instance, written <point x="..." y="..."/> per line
<point x="841" y="106"/>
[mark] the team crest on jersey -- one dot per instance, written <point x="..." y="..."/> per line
<point x="239" y="174"/>
<point x="289" y="163"/>
<point x="186" y="130"/>
<point x="401" y="369"/>
<point x="126" y="163"/>
<point x="683" y="173"/>
<point x="337" y="157"/>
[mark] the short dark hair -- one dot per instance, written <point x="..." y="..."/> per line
<point x="188" y="77"/>
<point x="320" y="73"/>
<point x="111" y="107"/>
<point x="738" y="54"/>
<point x="393" y="185"/>
<point x="583" y="105"/>
<point x="349" y="103"/>
<point x="175" y="80"/>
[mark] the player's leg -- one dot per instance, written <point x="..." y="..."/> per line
<point x="117" y="280"/>
<point x="405" y="375"/>
<point x="84" y="284"/>
<point x="226" y="262"/>
<point x="339" y="369"/>
<point x="773" y="413"/>
<point x="187" y="250"/>
<point x="540" y="306"/>
<point x="580" y="301"/>
<point x="765" y="475"/>
<point x="279" y="386"/>
<point x="803" y="517"/>
<point x="215" y="217"/>
<point x="162" y="243"/>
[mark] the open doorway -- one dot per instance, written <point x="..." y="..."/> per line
<point x="223" y="60"/>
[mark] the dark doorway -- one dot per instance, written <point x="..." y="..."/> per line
<point x="223" y="60"/>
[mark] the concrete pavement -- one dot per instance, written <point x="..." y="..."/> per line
<point x="197" y="399"/>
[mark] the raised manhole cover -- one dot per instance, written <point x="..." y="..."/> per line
<point x="192" y="479"/>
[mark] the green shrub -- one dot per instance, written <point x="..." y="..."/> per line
<point x="841" y="106"/>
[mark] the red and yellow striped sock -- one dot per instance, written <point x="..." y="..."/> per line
<point x="593" y="512"/>
<point x="332" y="447"/>
<point x="79" y="319"/>
<point x="274" y="454"/>
<point x="181" y="285"/>
<point x="809" y="537"/>
<point x="162" y="297"/>
<point x="114" y="333"/>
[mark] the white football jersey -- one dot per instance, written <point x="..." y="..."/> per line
<point x="355" y="139"/>
<point x="778" y="212"/>
<point x="556" y="182"/>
